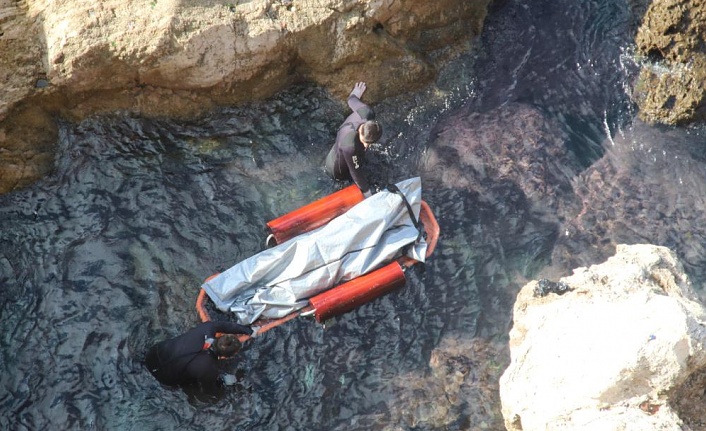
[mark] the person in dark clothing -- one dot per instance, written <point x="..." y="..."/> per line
<point x="358" y="131"/>
<point x="193" y="357"/>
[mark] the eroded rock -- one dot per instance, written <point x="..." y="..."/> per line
<point x="76" y="58"/>
<point x="671" y="88"/>
<point x="608" y="354"/>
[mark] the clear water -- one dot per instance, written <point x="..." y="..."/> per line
<point x="105" y="256"/>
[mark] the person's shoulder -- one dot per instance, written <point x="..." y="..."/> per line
<point x="347" y="144"/>
<point x="366" y="112"/>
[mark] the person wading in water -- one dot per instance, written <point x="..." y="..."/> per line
<point x="345" y="160"/>
<point x="192" y="358"/>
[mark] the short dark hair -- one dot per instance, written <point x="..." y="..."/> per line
<point x="370" y="131"/>
<point x="227" y="345"/>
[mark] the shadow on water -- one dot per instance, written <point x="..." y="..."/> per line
<point x="105" y="256"/>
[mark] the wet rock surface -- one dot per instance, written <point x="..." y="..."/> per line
<point x="671" y="88"/>
<point x="544" y="287"/>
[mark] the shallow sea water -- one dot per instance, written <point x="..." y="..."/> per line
<point x="106" y="255"/>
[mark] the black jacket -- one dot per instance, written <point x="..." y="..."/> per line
<point x="183" y="360"/>
<point x="345" y="160"/>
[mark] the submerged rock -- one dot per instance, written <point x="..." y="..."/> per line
<point x="612" y="354"/>
<point x="515" y="146"/>
<point x="649" y="187"/>
<point x="461" y="387"/>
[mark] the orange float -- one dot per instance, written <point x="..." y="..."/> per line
<point x="351" y="295"/>
<point x="316" y="214"/>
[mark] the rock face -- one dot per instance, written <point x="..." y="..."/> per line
<point x="167" y="57"/>
<point x="239" y="50"/>
<point x="672" y="84"/>
<point x="611" y="347"/>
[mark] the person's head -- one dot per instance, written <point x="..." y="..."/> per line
<point x="369" y="132"/>
<point x="227" y="345"/>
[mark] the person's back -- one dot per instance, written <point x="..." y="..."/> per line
<point x="193" y="356"/>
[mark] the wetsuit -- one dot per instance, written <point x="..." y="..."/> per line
<point x="345" y="160"/>
<point x="184" y="359"/>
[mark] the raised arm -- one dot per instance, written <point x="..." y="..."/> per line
<point x="354" y="101"/>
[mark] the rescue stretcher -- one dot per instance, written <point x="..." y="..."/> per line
<point x="345" y="296"/>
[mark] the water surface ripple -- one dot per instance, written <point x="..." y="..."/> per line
<point x="104" y="256"/>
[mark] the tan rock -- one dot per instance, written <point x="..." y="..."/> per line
<point x="607" y="354"/>
<point x="74" y="58"/>
<point x="671" y="88"/>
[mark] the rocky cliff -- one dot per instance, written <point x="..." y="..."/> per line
<point x="73" y="58"/>
<point x="615" y="346"/>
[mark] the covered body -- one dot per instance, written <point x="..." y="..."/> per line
<point x="278" y="281"/>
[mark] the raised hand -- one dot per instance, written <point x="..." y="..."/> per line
<point x="358" y="90"/>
